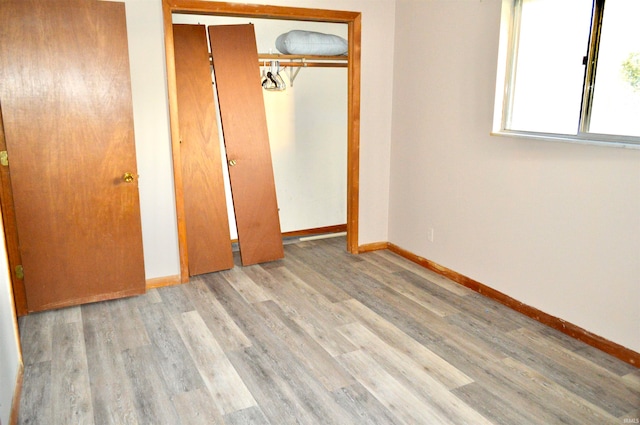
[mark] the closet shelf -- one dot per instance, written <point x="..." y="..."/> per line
<point x="306" y="61"/>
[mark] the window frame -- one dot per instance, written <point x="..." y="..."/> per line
<point x="507" y="55"/>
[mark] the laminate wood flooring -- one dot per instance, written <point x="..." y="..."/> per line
<point x="320" y="337"/>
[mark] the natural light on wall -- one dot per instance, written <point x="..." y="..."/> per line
<point x="570" y="70"/>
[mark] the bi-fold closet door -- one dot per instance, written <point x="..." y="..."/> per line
<point x="246" y="142"/>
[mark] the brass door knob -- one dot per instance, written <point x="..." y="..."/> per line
<point x="232" y="162"/>
<point x="127" y="177"/>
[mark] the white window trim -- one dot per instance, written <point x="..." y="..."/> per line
<point x="502" y="95"/>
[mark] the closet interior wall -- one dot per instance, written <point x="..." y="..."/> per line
<point x="307" y="124"/>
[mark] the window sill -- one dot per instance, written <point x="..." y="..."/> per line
<point x="612" y="142"/>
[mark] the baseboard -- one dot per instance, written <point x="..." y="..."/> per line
<point x="375" y="246"/>
<point x="160" y="282"/>
<point x="17" y="394"/>
<point x="339" y="228"/>
<point x="625" y="354"/>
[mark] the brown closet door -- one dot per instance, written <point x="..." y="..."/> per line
<point x="68" y="120"/>
<point x="244" y="122"/>
<point x="208" y="238"/>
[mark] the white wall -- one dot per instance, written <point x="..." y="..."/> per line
<point x="146" y="49"/>
<point x="553" y="225"/>
<point x="153" y="143"/>
<point x="10" y="358"/>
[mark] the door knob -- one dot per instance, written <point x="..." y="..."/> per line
<point x="127" y="177"/>
<point x="232" y="162"/>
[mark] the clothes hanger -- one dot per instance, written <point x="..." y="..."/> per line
<point x="272" y="80"/>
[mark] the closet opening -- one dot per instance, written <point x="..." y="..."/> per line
<point x="177" y="11"/>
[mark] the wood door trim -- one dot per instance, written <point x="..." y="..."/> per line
<point x="175" y="141"/>
<point x="199" y="7"/>
<point x="352" y="19"/>
<point x="11" y="231"/>
<point x="17" y="394"/>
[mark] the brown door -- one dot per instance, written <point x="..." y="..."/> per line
<point x="208" y="238"/>
<point x="68" y="121"/>
<point x="244" y="122"/>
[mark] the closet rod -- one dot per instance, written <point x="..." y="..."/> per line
<point x="285" y="64"/>
<point x="281" y="57"/>
<point x="306" y="60"/>
<point x="303" y="61"/>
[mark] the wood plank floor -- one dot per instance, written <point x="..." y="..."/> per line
<point x="321" y="337"/>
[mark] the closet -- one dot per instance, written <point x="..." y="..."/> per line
<point x="69" y="180"/>
<point x="303" y="136"/>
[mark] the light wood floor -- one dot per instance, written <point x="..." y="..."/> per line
<point x="321" y="337"/>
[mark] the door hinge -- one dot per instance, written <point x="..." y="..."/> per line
<point x="4" y="158"/>
<point x="19" y="272"/>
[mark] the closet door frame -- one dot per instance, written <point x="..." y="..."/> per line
<point x="352" y="19"/>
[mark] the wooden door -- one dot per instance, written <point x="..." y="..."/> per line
<point x="205" y="205"/>
<point x="68" y="122"/>
<point x="244" y="122"/>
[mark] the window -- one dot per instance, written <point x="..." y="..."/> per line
<point x="570" y="69"/>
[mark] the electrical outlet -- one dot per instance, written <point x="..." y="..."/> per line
<point x="430" y="234"/>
